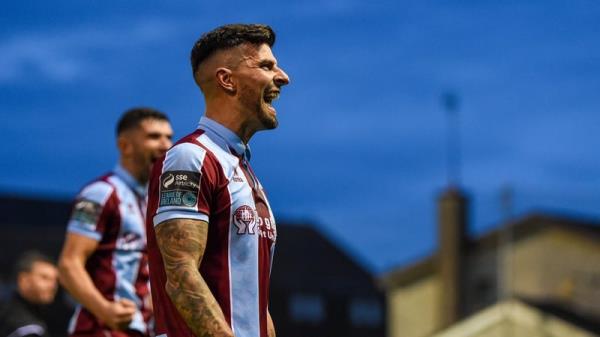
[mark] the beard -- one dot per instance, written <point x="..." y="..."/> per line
<point x="254" y="102"/>
<point x="268" y="122"/>
<point x="145" y="163"/>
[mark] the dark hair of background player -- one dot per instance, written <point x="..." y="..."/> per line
<point x="133" y="117"/>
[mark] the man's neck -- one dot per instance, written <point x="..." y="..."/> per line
<point x="30" y="300"/>
<point x="133" y="170"/>
<point x="231" y="117"/>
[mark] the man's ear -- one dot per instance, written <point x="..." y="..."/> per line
<point x="22" y="280"/>
<point x="124" y="145"/>
<point x="225" y="80"/>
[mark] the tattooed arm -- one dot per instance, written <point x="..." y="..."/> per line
<point x="182" y="243"/>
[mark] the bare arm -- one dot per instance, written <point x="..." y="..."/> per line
<point x="75" y="278"/>
<point x="270" y="325"/>
<point x="182" y="243"/>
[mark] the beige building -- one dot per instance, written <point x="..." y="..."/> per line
<point x="538" y="275"/>
<point x="513" y="318"/>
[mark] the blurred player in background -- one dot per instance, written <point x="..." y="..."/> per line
<point x="104" y="263"/>
<point x="37" y="282"/>
<point x="211" y="250"/>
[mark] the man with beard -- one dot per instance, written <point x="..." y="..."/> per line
<point x="104" y="263"/>
<point x="211" y="232"/>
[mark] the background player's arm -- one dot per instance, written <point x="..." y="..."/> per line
<point x="270" y="325"/>
<point x="75" y="278"/>
<point x="182" y="243"/>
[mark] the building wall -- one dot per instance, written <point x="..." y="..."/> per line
<point x="321" y="291"/>
<point x="481" y="287"/>
<point x="514" y="319"/>
<point x="557" y="265"/>
<point x="323" y="315"/>
<point x="413" y="309"/>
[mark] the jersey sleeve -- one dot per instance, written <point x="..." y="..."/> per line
<point x="185" y="188"/>
<point x="89" y="213"/>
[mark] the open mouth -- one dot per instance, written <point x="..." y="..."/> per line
<point x="271" y="96"/>
<point x="154" y="158"/>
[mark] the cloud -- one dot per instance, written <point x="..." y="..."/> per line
<point x="65" y="55"/>
<point x="21" y="56"/>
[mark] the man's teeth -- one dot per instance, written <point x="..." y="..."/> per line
<point x="271" y="97"/>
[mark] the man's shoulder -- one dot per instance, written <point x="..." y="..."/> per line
<point x="97" y="190"/>
<point x="195" y="147"/>
<point x="16" y="319"/>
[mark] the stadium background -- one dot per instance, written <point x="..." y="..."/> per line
<point x="361" y="149"/>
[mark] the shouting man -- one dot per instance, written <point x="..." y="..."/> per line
<point x="211" y="232"/>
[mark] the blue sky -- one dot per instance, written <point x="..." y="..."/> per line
<point x="360" y="150"/>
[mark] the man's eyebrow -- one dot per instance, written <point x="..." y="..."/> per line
<point x="266" y="62"/>
<point x="157" y="134"/>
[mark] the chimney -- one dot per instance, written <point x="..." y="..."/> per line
<point x="452" y="221"/>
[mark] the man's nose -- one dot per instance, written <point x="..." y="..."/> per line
<point x="281" y="78"/>
<point x="166" y="144"/>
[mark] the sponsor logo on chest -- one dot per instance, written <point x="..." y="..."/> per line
<point x="131" y="241"/>
<point x="248" y="222"/>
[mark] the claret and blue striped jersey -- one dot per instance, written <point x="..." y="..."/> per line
<point x="111" y="210"/>
<point x="206" y="176"/>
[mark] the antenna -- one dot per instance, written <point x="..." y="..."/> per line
<point x="451" y="104"/>
<point x="506" y="201"/>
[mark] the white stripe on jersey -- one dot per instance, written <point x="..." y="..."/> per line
<point x="243" y="250"/>
<point x="126" y="263"/>
<point x="243" y="262"/>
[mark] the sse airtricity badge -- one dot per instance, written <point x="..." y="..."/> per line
<point x="179" y="188"/>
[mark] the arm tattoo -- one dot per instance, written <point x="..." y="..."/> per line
<point x="182" y="243"/>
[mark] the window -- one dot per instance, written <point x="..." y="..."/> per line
<point x="365" y="312"/>
<point x="307" y="308"/>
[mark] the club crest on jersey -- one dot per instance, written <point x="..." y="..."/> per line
<point x="179" y="188"/>
<point x="244" y="219"/>
<point x="247" y="221"/>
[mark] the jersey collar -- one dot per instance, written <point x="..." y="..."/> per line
<point x="224" y="137"/>
<point x="138" y="188"/>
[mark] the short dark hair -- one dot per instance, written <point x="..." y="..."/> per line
<point x="134" y="116"/>
<point x="27" y="259"/>
<point x="229" y="36"/>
